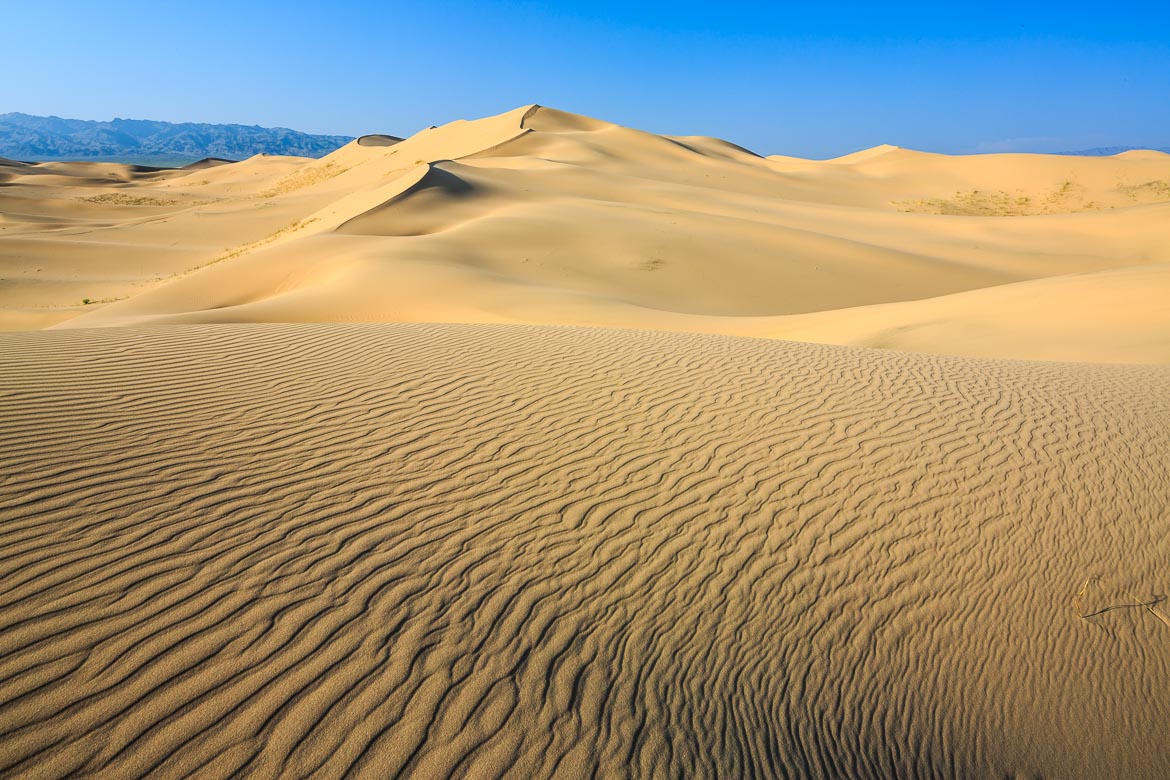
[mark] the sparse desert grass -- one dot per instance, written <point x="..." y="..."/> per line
<point x="292" y="227"/>
<point x="1149" y="192"/>
<point x="304" y="178"/>
<point x="973" y="203"/>
<point x="651" y="264"/>
<point x="125" y="199"/>
<point x="1062" y="198"/>
<point x="1065" y="197"/>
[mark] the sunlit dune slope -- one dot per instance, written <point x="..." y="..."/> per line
<point x="1115" y="316"/>
<point x="445" y="550"/>
<point x="542" y="216"/>
<point x="77" y="236"/>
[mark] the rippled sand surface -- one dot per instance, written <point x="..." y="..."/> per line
<point x="480" y="550"/>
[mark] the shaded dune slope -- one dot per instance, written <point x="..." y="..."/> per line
<point x="293" y="550"/>
<point x="378" y="139"/>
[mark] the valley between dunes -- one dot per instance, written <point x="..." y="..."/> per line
<point x="536" y="446"/>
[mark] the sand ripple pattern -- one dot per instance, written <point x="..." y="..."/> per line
<point x="436" y="550"/>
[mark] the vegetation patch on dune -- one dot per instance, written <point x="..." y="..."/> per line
<point x="651" y="264"/>
<point x="1067" y="197"/>
<point x="1063" y="198"/>
<point x="1149" y="192"/>
<point x="974" y="203"/>
<point x="125" y="199"/>
<point x="304" y="178"/>
<point x="292" y="227"/>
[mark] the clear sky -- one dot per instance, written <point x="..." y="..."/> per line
<point x="812" y="79"/>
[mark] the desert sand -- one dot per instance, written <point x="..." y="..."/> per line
<point x="544" y="217"/>
<point x="542" y="447"/>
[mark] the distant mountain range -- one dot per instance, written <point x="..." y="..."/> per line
<point x="1109" y="151"/>
<point x="34" y="138"/>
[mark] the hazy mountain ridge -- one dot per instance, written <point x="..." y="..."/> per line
<point x="23" y="136"/>
<point x="1109" y="151"/>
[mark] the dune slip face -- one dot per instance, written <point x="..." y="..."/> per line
<point x="488" y="550"/>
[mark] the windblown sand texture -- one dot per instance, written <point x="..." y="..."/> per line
<point x="456" y="549"/>
<point x="339" y="484"/>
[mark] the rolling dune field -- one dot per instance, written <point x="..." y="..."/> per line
<point x="538" y="446"/>
<point x="545" y="217"/>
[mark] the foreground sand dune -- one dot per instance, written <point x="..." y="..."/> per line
<point x="542" y="216"/>
<point x="286" y="550"/>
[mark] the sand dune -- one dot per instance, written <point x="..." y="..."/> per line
<point x="467" y="550"/>
<point x="316" y="469"/>
<point x="102" y="232"/>
<point x="542" y="216"/>
<point x="1114" y="316"/>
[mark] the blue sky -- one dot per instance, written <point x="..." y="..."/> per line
<point x="809" y="79"/>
